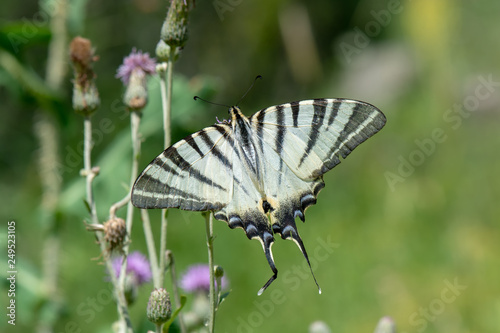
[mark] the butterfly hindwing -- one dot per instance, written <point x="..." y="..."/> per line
<point x="310" y="136"/>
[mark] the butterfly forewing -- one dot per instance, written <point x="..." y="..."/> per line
<point x="193" y="174"/>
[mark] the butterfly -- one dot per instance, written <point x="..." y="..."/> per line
<point x="259" y="173"/>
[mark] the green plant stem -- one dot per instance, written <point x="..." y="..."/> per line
<point x="210" y="246"/>
<point x="150" y="243"/>
<point x="166" y="83"/>
<point x="163" y="246"/>
<point x="168" y="107"/>
<point x="90" y="173"/>
<point x="175" y="290"/>
<point x="135" y="120"/>
<point x="166" y="97"/>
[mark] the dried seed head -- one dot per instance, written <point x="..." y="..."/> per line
<point x="85" y="95"/>
<point x="80" y="51"/>
<point x="114" y="233"/>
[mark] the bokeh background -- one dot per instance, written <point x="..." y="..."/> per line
<point x="411" y="216"/>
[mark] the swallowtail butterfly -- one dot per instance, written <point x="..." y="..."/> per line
<point x="259" y="173"/>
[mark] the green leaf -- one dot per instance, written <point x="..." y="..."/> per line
<point x="18" y="35"/>
<point x="223" y="296"/>
<point x="26" y="78"/>
<point x="175" y="314"/>
<point x="87" y="205"/>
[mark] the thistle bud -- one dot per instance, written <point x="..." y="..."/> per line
<point x="133" y="73"/>
<point x="218" y="274"/>
<point x="159" y="308"/>
<point x="85" y="95"/>
<point x="136" y="95"/>
<point x="174" y="29"/>
<point x="162" y="51"/>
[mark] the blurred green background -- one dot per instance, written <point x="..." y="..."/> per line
<point x="411" y="213"/>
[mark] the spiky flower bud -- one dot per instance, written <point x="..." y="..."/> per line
<point x="174" y="30"/>
<point x="85" y="95"/>
<point x="115" y="232"/>
<point x="159" y="308"/>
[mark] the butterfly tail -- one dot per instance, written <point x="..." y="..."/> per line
<point x="286" y="227"/>
<point x="266" y="244"/>
<point x="256" y="226"/>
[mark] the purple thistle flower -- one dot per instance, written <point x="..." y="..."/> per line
<point x="136" y="60"/>
<point x="197" y="278"/>
<point x="137" y="266"/>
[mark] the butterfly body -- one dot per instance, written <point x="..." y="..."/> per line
<point x="259" y="173"/>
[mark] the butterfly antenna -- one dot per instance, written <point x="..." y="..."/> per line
<point x="250" y="88"/>
<point x="209" y="102"/>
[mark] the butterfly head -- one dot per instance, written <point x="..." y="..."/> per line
<point x="236" y="114"/>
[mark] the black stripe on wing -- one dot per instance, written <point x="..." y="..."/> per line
<point x="333" y="113"/>
<point x="317" y="121"/>
<point x="215" y="150"/>
<point x="280" y="121"/>
<point x="345" y="145"/>
<point x="295" y="112"/>
<point x="177" y="159"/>
<point x="190" y="140"/>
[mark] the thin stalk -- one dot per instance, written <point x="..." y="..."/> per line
<point x="90" y="174"/>
<point x="175" y="289"/>
<point x="210" y="246"/>
<point x="166" y="97"/>
<point x="150" y="243"/>
<point x="136" y="147"/>
<point x="117" y="205"/>
<point x="168" y="106"/>
<point x="135" y="120"/>
<point x="163" y="246"/>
